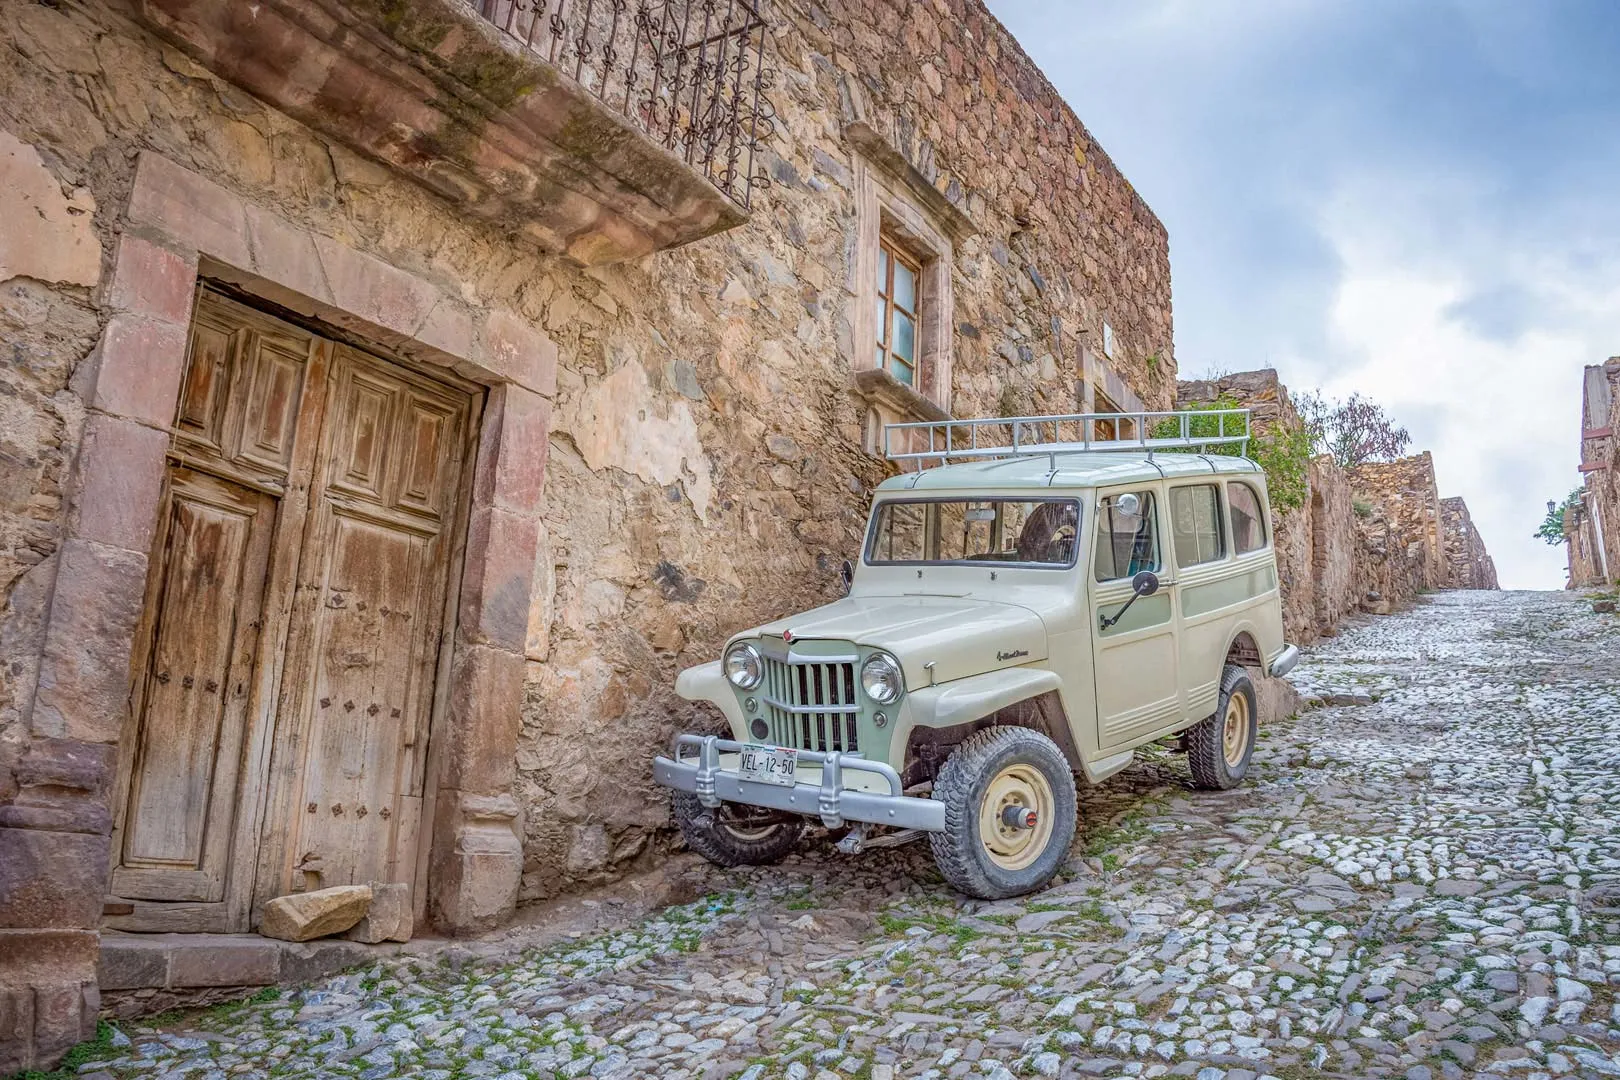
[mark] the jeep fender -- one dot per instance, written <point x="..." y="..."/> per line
<point x="707" y="682"/>
<point x="962" y="701"/>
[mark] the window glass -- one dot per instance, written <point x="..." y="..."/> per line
<point x="1195" y="515"/>
<point x="1248" y="523"/>
<point x="1127" y="543"/>
<point x="905" y="287"/>
<point x="897" y="312"/>
<point x="1042" y="532"/>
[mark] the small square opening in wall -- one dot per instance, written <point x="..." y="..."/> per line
<point x="1108" y="339"/>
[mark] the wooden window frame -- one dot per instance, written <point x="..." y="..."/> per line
<point x="887" y="305"/>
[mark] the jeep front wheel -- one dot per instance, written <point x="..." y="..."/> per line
<point x="1009" y="813"/>
<point x="732" y="835"/>
<point x="1219" y="746"/>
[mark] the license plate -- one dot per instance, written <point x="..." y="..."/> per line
<point x="767" y="764"/>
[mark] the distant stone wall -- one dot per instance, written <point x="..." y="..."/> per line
<point x="1468" y="564"/>
<point x="1368" y="539"/>
<point x="1592" y="531"/>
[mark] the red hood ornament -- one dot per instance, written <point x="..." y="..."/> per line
<point x="787" y="636"/>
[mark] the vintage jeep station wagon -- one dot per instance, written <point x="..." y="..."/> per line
<point x="1040" y="597"/>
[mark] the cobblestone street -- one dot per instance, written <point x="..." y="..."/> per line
<point x="1421" y="879"/>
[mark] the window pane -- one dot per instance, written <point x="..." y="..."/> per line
<point x="902" y="370"/>
<point x="1196" y="518"/>
<point x="905" y="286"/>
<point x="904" y="338"/>
<point x="1248" y="523"/>
<point x="883" y="273"/>
<point x="1041" y="532"/>
<point x="1127" y="544"/>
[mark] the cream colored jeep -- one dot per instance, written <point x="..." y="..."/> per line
<point x="1040" y="597"/>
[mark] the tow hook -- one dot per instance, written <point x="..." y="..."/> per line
<point x="854" y="841"/>
<point x="1018" y="817"/>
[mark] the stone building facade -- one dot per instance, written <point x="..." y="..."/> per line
<point x="1590" y="524"/>
<point x="1367" y="539"/>
<point x="387" y="272"/>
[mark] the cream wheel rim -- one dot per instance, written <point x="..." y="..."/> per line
<point x="1235" y="733"/>
<point x="1016" y="787"/>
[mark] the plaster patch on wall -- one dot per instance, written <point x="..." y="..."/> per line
<point x="618" y="422"/>
<point x="48" y="236"/>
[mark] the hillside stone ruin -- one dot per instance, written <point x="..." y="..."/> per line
<point x="1591" y="521"/>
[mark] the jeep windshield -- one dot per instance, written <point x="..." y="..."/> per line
<point x="1021" y="532"/>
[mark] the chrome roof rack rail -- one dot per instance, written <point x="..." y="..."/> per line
<point x="939" y="442"/>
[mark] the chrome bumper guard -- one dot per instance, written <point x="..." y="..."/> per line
<point x="1285" y="661"/>
<point x="830" y="800"/>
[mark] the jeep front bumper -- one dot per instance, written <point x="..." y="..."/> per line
<point x="834" y="796"/>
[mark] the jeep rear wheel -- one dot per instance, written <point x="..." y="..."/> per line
<point x="1219" y="747"/>
<point x="735" y="835"/>
<point x="1009" y="813"/>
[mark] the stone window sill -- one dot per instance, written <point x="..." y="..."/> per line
<point x="878" y="387"/>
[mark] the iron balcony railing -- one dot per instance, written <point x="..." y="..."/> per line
<point x="688" y="73"/>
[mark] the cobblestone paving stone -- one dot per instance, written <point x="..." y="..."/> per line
<point x="1424" y="885"/>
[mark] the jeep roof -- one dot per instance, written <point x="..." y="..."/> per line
<point x="1073" y="469"/>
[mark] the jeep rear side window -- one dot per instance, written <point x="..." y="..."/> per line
<point x="1248" y="523"/>
<point x="1030" y="532"/>
<point x="1127" y="544"/>
<point x="1195" y="519"/>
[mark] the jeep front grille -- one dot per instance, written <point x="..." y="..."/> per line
<point x="811" y="706"/>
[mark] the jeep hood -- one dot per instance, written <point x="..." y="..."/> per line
<point x="960" y="637"/>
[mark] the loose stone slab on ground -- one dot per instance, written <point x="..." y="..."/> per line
<point x="1423" y="886"/>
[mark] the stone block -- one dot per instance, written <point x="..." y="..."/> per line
<point x="152" y="281"/>
<point x="306" y="961"/>
<point x="61" y="786"/>
<point x="189" y="208"/>
<point x="449" y="330"/>
<point x="285" y="254"/>
<point x="118" y="481"/>
<point x="49" y="235"/>
<point x="514" y="350"/>
<point x="51" y="879"/>
<point x="33" y="955"/>
<point x="390" y="917"/>
<point x="511" y="470"/>
<point x="133" y="961"/>
<point x="84" y="669"/>
<point x="478" y="748"/>
<point x="138" y="369"/>
<point x="217" y="960"/>
<point x="303" y="916"/>
<point x="500" y="554"/>
<point x="477" y="862"/>
<point x="370" y="289"/>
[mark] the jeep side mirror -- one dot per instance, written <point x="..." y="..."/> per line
<point x="1145" y="583"/>
<point x="846" y="574"/>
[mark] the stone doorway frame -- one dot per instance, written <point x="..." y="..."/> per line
<point x="181" y="227"/>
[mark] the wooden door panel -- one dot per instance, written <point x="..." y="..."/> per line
<point x="363" y="654"/>
<point x="193" y="699"/>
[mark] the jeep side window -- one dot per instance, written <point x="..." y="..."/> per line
<point x="1195" y="519"/>
<point x="1248" y="523"/>
<point x="1127" y="544"/>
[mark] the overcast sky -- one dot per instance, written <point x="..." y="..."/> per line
<point x="1414" y="199"/>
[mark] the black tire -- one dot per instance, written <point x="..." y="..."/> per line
<point x="1216" y="763"/>
<point x="719" y="836"/>
<point x="984" y="760"/>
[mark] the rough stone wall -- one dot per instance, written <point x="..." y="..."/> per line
<point x="1594" y="537"/>
<point x="1403" y="555"/>
<point x="1365" y="539"/>
<point x="1468" y="564"/>
<point x="706" y="470"/>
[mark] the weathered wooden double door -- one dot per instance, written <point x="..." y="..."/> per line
<point x="286" y="662"/>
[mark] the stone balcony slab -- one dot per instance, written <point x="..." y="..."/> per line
<point x="476" y="114"/>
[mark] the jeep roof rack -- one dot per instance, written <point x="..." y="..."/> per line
<point x="1076" y="433"/>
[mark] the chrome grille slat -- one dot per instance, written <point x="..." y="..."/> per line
<point x="811" y="705"/>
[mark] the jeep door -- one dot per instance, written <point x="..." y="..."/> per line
<point x="1137" y="670"/>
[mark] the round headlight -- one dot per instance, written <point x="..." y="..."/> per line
<point x="743" y="666"/>
<point x="880" y="678"/>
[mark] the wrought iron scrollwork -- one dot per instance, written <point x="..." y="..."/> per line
<point x="689" y="73"/>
